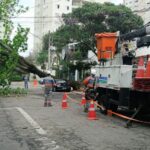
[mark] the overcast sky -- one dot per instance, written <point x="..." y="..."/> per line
<point x="30" y="22"/>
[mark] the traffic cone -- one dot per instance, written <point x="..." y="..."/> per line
<point x="35" y="83"/>
<point x="64" y="101"/>
<point x="141" y="68"/>
<point x="83" y="101"/>
<point x="92" y="112"/>
<point x="147" y="72"/>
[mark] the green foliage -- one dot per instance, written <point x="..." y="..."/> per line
<point x="16" y="77"/>
<point x="75" y="85"/>
<point x="9" y="58"/>
<point x="42" y="57"/>
<point x="12" y="92"/>
<point x="82" y="24"/>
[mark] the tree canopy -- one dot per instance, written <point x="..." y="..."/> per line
<point x="82" y="24"/>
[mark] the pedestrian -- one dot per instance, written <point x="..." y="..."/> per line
<point x="26" y="79"/>
<point x="48" y="90"/>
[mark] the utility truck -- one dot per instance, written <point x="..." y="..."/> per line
<point x="123" y="72"/>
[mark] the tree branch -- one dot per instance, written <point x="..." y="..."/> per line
<point x="23" y="65"/>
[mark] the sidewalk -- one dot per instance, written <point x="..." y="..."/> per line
<point x="21" y="85"/>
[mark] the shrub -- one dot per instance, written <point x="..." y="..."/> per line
<point x="75" y="85"/>
<point x="16" y="78"/>
<point x="7" y="91"/>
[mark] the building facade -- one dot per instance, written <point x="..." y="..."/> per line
<point x="140" y="7"/>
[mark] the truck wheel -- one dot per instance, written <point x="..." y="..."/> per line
<point x="113" y="107"/>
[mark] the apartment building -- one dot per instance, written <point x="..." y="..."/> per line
<point x="1" y="30"/>
<point x="140" y="7"/>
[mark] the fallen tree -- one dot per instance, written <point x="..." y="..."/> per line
<point x="23" y="65"/>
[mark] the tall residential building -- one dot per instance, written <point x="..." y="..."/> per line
<point x="1" y="30"/>
<point x="140" y="7"/>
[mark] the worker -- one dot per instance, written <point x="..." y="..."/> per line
<point x="26" y="79"/>
<point x="49" y="83"/>
<point x="90" y="94"/>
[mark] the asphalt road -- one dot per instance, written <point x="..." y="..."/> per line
<point x="26" y="125"/>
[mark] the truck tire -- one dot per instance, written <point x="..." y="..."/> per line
<point x="113" y="107"/>
<point x="104" y="101"/>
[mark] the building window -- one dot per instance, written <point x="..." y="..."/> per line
<point x="58" y="6"/>
<point x="67" y="7"/>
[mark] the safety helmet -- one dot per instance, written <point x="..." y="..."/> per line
<point x="93" y="71"/>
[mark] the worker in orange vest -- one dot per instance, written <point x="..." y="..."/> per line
<point x="90" y="94"/>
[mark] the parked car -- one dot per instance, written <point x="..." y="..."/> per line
<point x="61" y="85"/>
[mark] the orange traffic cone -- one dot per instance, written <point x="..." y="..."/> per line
<point x="141" y="68"/>
<point x="91" y="112"/>
<point x="35" y="83"/>
<point x="147" y="72"/>
<point x="83" y="101"/>
<point x="64" y="101"/>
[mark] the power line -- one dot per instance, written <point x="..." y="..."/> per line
<point x="36" y="36"/>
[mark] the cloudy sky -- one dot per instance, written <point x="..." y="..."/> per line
<point x="30" y="22"/>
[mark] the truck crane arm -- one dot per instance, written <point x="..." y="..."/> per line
<point x="135" y="34"/>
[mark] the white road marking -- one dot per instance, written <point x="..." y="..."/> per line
<point x="33" y="123"/>
<point x="36" y="126"/>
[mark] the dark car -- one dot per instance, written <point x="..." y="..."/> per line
<point x="61" y="85"/>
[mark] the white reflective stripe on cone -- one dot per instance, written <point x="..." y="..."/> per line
<point x="141" y="67"/>
<point x="91" y="109"/>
